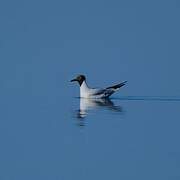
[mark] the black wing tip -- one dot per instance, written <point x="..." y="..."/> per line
<point x="121" y="84"/>
<point x="117" y="86"/>
<point x="124" y="82"/>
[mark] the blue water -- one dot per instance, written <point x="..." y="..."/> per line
<point x="47" y="132"/>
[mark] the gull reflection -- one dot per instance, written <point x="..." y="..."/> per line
<point x="86" y="105"/>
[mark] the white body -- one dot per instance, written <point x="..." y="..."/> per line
<point x="86" y="92"/>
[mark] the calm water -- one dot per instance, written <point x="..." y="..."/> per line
<point x="47" y="135"/>
<point x="47" y="132"/>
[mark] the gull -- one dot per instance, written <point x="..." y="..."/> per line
<point x="87" y="92"/>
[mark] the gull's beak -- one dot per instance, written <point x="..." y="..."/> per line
<point x="73" y="80"/>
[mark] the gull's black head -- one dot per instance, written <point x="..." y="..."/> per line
<point x="80" y="79"/>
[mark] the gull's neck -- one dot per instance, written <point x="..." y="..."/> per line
<point x="84" y="90"/>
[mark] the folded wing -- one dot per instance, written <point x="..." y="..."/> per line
<point x="117" y="86"/>
<point x="104" y="93"/>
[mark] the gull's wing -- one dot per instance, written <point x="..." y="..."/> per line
<point x="117" y="86"/>
<point x="109" y="90"/>
<point x="104" y="93"/>
<point x="98" y="91"/>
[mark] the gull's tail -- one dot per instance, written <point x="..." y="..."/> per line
<point x="117" y="86"/>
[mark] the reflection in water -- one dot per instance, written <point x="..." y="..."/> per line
<point x="86" y="105"/>
<point x="91" y="104"/>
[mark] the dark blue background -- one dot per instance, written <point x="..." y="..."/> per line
<point x="43" y="44"/>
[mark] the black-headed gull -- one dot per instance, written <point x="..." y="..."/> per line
<point x="87" y="92"/>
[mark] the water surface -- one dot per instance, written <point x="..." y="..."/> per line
<point x="47" y="133"/>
